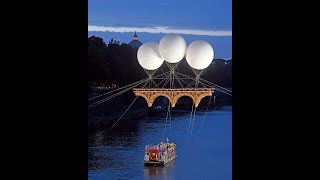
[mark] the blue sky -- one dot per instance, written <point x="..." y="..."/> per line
<point x="209" y="20"/>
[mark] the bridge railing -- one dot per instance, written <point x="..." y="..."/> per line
<point x="176" y="89"/>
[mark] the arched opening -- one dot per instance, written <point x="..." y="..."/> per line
<point x="145" y="98"/>
<point x="204" y="102"/>
<point x="184" y="103"/>
<point x="165" y="98"/>
<point x="160" y="101"/>
<point x="143" y="101"/>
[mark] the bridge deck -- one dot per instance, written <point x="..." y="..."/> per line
<point x="175" y="89"/>
<point x="150" y="94"/>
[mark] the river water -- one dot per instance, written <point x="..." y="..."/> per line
<point x="207" y="155"/>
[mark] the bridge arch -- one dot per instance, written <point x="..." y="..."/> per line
<point x="145" y="97"/>
<point x="154" y="96"/>
<point x="178" y="96"/>
<point x="203" y="95"/>
<point x="200" y="97"/>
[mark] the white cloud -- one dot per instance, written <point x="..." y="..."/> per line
<point x="159" y="30"/>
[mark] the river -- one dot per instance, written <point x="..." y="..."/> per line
<point x="207" y="155"/>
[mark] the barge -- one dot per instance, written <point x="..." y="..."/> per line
<point x="160" y="154"/>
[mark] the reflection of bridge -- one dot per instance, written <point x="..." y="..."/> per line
<point x="196" y="94"/>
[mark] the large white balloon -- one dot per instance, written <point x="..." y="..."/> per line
<point x="149" y="56"/>
<point x="199" y="54"/>
<point x="172" y="48"/>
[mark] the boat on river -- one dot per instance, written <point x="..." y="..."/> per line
<point x="160" y="154"/>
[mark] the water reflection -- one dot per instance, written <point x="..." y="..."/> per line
<point x="163" y="172"/>
<point x="119" y="154"/>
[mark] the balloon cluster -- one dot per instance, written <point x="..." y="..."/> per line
<point x="172" y="49"/>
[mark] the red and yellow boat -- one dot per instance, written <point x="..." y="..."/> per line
<point x="160" y="154"/>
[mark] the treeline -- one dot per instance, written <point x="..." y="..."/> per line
<point x="116" y="63"/>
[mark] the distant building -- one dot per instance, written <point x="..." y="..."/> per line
<point x="135" y="42"/>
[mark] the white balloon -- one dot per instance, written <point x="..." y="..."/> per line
<point x="149" y="56"/>
<point x="199" y="54"/>
<point x="172" y="48"/>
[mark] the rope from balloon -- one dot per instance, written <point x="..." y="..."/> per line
<point x="210" y="84"/>
<point x="181" y="79"/>
<point x="194" y="114"/>
<point x="165" y="125"/>
<point x="122" y="115"/>
<point x="114" y="95"/>
<point x="127" y="86"/>
<point x="204" y="117"/>
<point x="215" y="85"/>
<point x="130" y="86"/>
<point x="117" y="89"/>
<point x="178" y="80"/>
<point x="189" y="123"/>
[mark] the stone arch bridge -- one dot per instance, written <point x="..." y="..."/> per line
<point x="196" y="94"/>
